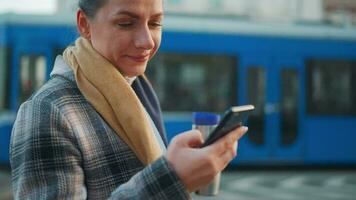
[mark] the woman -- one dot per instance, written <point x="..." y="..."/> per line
<point x="94" y="130"/>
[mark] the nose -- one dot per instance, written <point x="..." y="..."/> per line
<point x="144" y="39"/>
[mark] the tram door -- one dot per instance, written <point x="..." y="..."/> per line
<point x="273" y="86"/>
<point x="290" y="143"/>
<point x="31" y="70"/>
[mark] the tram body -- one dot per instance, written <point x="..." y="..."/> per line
<point x="301" y="79"/>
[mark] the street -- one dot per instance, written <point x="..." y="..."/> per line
<point x="287" y="185"/>
<point x="267" y="185"/>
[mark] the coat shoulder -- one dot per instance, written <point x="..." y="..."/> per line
<point x="58" y="91"/>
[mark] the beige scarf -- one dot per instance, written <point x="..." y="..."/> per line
<point x="113" y="98"/>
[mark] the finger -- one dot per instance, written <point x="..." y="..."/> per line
<point x="233" y="148"/>
<point x="226" y="157"/>
<point x="192" y="138"/>
<point x="220" y="146"/>
<point x="237" y="147"/>
<point x="237" y="133"/>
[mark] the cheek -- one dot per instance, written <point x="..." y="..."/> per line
<point x="114" y="47"/>
<point x="98" y="41"/>
<point x="157" y="37"/>
<point x="157" y="41"/>
<point x="119" y="46"/>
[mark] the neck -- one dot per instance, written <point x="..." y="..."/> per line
<point x="130" y="80"/>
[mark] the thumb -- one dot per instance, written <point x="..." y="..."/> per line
<point x="192" y="138"/>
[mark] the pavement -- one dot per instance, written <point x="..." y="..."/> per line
<point x="5" y="188"/>
<point x="287" y="185"/>
<point x="266" y="185"/>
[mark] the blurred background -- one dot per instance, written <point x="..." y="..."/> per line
<point x="295" y="60"/>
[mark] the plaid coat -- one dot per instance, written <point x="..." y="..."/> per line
<point x="61" y="148"/>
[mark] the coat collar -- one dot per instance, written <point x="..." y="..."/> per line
<point x="141" y="87"/>
<point x="62" y="69"/>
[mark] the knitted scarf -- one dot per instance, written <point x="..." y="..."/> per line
<point x="113" y="98"/>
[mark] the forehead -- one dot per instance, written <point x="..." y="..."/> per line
<point x="140" y="7"/>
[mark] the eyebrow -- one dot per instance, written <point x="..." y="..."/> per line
<point x="134" y="15"/>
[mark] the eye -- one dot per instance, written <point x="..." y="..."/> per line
<point x="157" y="24"/>
<point x="125" y="24"/>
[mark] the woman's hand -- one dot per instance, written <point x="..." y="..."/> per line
<point x="198" y="166"/>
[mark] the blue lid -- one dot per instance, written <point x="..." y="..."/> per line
<point x="205" y="118"/>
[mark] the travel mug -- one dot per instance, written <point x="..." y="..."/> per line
<point x="205" y="123"/>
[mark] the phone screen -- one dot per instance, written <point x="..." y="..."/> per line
<point x="233" y="118"/>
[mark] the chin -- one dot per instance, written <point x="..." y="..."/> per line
<point x="135" y="71"/>
<point x="132" y="69"/>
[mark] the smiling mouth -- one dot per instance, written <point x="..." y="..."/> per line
<point x="142" y="58"/>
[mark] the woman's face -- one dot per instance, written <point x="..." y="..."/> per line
<point x="127" y="33"/>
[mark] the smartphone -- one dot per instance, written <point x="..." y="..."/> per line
<point x="234" y="117"/>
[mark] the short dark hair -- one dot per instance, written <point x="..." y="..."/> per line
<point x="91" y="7"/>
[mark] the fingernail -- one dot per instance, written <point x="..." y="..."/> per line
<point x="245" y="129"/>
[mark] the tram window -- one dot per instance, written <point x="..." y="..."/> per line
<point x="186" y="82"/>
<point x="32" y="75"/>
<point x="4" y="78"/>
<point x="289" y="105"/>
<point x="57" y="51"/>
<point x="256" y="88"/>
<point x="331" y="86"/>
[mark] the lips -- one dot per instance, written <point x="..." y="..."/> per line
<point x="139" y="58"/>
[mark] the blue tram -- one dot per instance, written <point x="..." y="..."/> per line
<point x="301" y="79"/>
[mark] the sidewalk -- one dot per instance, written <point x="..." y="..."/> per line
<point x="266" y="185"/>
<point x="5" y="187"/>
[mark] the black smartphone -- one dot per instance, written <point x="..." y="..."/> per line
<point x="234" y="117"/>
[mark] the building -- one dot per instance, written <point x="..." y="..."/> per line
<point x="341" y="12"/>
<point x="258" y="10"/>
<point x="338" y="12"/>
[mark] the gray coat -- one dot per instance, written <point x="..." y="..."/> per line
<point x="61" y="148"/>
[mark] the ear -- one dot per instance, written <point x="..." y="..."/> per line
<point x="83" y="24"/>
